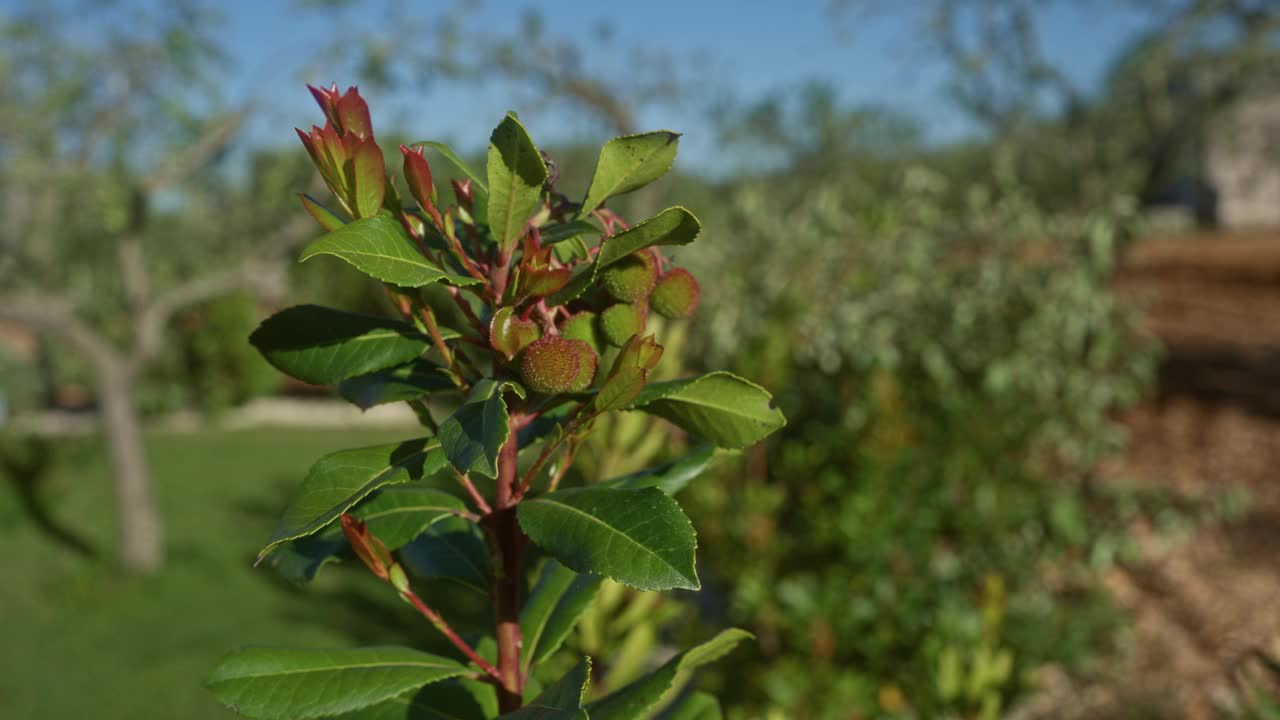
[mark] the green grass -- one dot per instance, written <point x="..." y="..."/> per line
<point x="81" y="641"/>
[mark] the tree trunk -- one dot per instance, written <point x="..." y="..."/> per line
<point x="141" y="547"/>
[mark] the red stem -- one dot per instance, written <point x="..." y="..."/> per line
<point x="448" y="632"/>
<point x="506" y="586"/>
<point x="476" y="497"/>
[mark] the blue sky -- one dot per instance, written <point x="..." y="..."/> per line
<point x="753" y="48"/>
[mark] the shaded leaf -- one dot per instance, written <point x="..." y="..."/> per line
<point x="407" y="382"/>
<point x="340" y="480"/>
<point x="562" y="700"/>
<point x="450" y="548"/>
<point x="640" y="538"/>
<point x="720" y="407"/>
<point x="556" y="602"/>
<point x="398" y="514"/>
<point x="560" y="232"/>
<point x="475" y="432"/>
<point x="632" y="701"/>
<point x="517" y="173"/>
<point x="454" y="699"/>
<point x="379" y="247"/>
<point x="628" y="163"/>
<point x="285" y="684"/>
<point x="696" y="706"/>
<point x="299" y="561"/>
<point x="323" y="345"/>
<point x="670" y="478"/>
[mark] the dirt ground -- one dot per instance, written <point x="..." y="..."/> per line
<point x="1200" y="605"/>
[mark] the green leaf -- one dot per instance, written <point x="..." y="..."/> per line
<point x="322" y="345"/>
<point x="673" y="226"/>
<point x="560" y="232"/>
<point x="562" y="700"/>
<point x="328" y="219"/>
<point x="670" y="478"/>
<point x="379" y="247"/>
<point x="554" y="606"/>
<point x="479" y="190"/>
<point x="340" y="480"/>
<point x="516" y="176"/>
<point x="629" y="163"/>
<point x="454" y="699"/>
<point x="398" y="514"/>
<point x="285" y="684"/>
<point x="720" y="407"/>
<point x="640" y="538"/>
<point x="620" y="389"/>
<point x="299" y="561"/>
<point x="632" y="701"/>
<point x="450" y="548"/>
<point x="475" y="432"/>
<point x="407" y="382"/>
<point x="368" y="177"/>
<point x="697" y="706"/>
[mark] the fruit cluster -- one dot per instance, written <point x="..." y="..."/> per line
<point x="565" y="359"/>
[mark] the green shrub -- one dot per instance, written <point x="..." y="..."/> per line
<point x="926" y="529"/>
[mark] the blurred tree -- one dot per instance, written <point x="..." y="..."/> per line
<point x="100" y="138"/>
<point x="1143" y="130"/>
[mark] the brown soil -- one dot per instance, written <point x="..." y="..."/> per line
<point x="1200" y="604"/>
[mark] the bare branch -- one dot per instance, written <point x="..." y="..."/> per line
<point x="55" y="316"/>
<point x="133" y="271"/>
<point x="260" y="274"/>
<point x="215" y="139"/>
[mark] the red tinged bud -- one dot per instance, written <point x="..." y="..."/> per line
<point x="629" y="373"/>
<point x="353" y="115"/>
<point x="327" y="99"/>
<point x="417" y="172"/>
<point x="537" y="277"/>
<point x="641" y="352"/>
<point x="508" y="334"/>
<point x="330" y="155"/>
<point x="462" y="191"/>
<point x="348" y="112"/>
<point x="368" y="548"/>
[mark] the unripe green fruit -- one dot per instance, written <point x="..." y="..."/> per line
<point x="619" y="322"/>
<point x="582" y="326"/>
<point x="588" y="361"/>
<point x="631" y="278"/>
<point x="550" y="365"/>
<point x="676" y="295"/>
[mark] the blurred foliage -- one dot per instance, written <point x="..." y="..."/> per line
<point x="1257" y="684"/>
<point x="926" y="531"/>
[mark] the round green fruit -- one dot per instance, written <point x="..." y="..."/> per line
<point x="582" y="326"/>
<point x="619" y="322"/>
<point x="631" y="278"/>
<point x="676" y="295"/>
<point x="588" y="361"/>
<point x="550" y="365"/>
